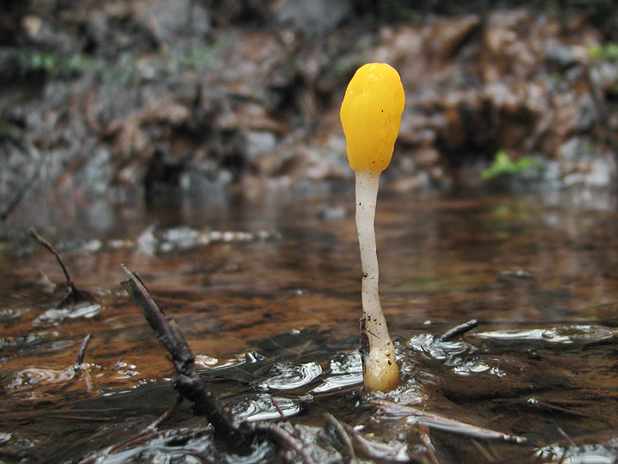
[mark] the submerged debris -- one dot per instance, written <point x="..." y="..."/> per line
<point x="417" y="416"/>
<point x="240" y="437"/>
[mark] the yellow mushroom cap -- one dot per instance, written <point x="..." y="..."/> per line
<point x="371" y="116"/>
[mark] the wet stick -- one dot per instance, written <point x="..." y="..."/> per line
<point x="236" y="436"/>
<point x="371" y="116"/>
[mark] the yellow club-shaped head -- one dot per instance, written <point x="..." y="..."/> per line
<point x="371" y="116"/>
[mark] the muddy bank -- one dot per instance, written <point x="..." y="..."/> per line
<point x="102" y="98"/>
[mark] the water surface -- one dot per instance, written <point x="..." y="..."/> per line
<point x="267" y="294"/>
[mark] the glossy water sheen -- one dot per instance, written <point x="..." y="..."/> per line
<point x="267" y="293"/>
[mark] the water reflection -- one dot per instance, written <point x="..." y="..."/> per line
<point x="55" y="316"/>
<point x="276" y="263"/>
<point x="542" y="280"/>
<point x="32" y="377"/>
<point x="567" y="335"/>
<point x="588" y="454"/>
<point x="346" y="370"/>
<point x="265" y="407"/>
<point x="288" y="376"/>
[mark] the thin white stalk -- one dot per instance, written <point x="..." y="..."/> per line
<point x="380" y="371"/>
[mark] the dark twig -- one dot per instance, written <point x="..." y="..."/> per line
<point x="348" y="454"/>
<point x="567" y="437"/>
<point x="440" y="422"/>
<point x="486" y="454"/>
<point x="237" y="437"/>
<point x="79" y="363"/>
<point x="459" y="330"/>
<point x="373" y="450"/>
<point x="165" y="416"/>
<point x="19" y="195"/>
<point x="41" y="241"/>
<point x="76" y="296"/>
<point x="166" y="329"/>
<point x="287" y="441"/>
<point x="81" y="353"/>
<point x="284" y="418"/>
<point x="147" y="433"/>
<point x="426" y="439"/>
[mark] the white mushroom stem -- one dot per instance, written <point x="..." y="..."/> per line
<point x="380" y="371"/>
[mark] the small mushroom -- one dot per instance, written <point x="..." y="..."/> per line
<point x="371" y="116"/>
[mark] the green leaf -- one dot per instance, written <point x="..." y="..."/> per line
<point x="504" y="165"/>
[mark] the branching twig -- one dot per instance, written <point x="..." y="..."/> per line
<point x="41" y="241"/>
<point x="238" y="437"/>
<point x="373" y="450"/>
<point x="286" y="441"/>
<point x="348" y="454"/>
<point x="76" y="296"/>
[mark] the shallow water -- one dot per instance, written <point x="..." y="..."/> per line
<point x="267" y="292"/>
